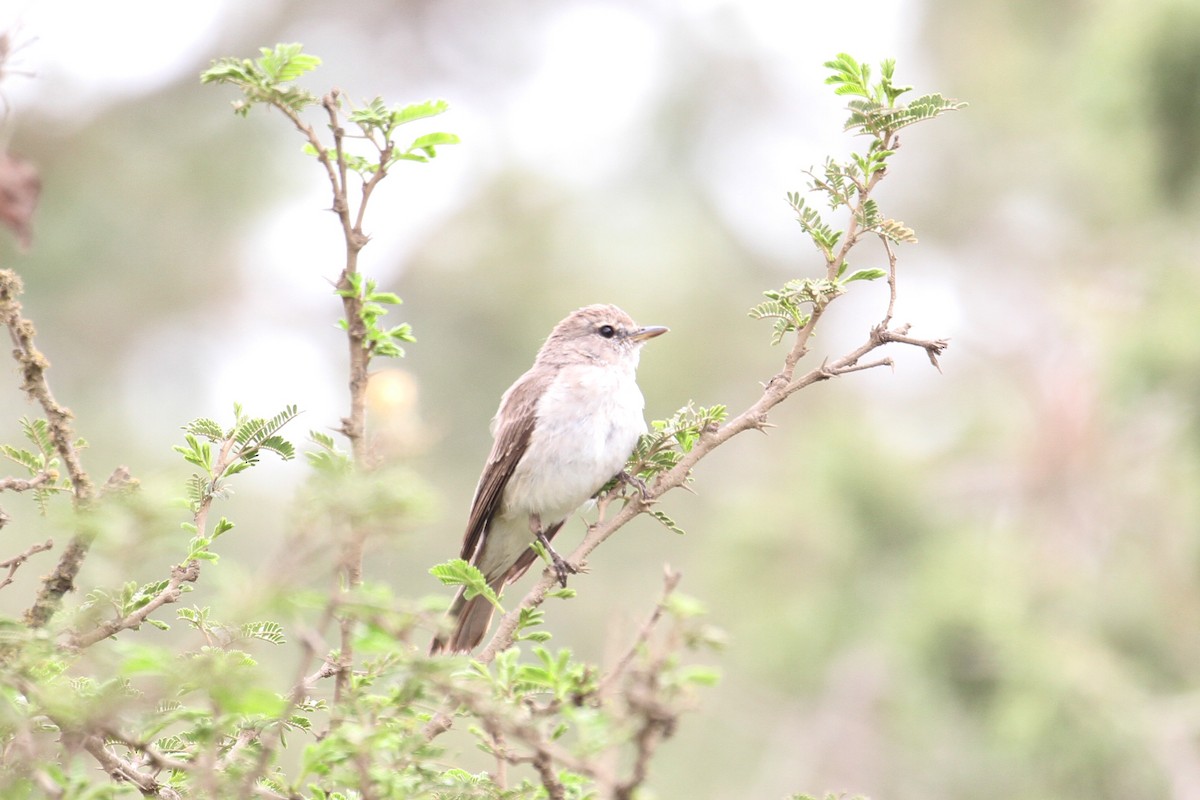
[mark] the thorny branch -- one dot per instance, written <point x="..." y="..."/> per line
<point x="33" y="366"/>
<point x="671" y="580"/>
<point x="353" y="426"/>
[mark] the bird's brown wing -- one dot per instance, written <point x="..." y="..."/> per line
<point x="516" y="420"/>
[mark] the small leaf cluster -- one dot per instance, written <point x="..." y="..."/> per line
<point x="665" y="445"/>
<point x="458" y="572"/>
<point x="225" y="636"/>
<point x="378" y="340"/>
<point x="328" y="459"/>
<point x="40" y="461"/>
<point x="129" y="599"/>
<point x="268" y="78"/>
<point x="378" y="123"/>
<point x="550" y="675"/>
<point x="791" y="307"/>
<point x="670" y="439"/>
<point x="876" y="112"/>
<point x="237" y="449"/>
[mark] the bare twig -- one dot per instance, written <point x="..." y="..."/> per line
<point x="658" y="719"/>
<point x="14" y="563"/>
<point x="891" y="277"/>
<point x="658" y="723"/>
<point x="932" y="347"/>
<point x="883" y="362"/>
<point x="25" y="484"/>
<point x="671" y="580"/>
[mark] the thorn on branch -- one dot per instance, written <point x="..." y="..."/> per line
<point x="932" y="347"/>
<point x="760" y="423"/>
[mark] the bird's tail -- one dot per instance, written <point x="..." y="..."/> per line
<point x="473" y="618"/>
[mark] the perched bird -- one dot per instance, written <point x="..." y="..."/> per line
<point x="563" y="430"/>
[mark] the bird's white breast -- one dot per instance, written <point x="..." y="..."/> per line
<point x="588" y="422"/>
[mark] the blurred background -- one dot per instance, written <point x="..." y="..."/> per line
<point x="983" y="583"/>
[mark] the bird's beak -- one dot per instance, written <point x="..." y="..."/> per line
<point x="642" y="334"/>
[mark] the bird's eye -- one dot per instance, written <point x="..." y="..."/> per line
<point x="607" y="331"/>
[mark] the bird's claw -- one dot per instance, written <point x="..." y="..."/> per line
<point x="637" y="483"/>
<point x="562" y="567"/>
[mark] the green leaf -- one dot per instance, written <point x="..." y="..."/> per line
<point x="897" y="232"/>
<point x="428" y="143"/>
<point x="373" y="114"/>
<point x="263" y="631"/>
<point x="206" y="428"/>
<point x="684" y="606"/>
<point x="279" y="446"/>
<point x="414" y="111"/>
<point x="459" y="573"/>
<point x="25" y="458"/>
<point x="699" y="675"/>
<point x="387" y="298"/>
<point x="667" y="522"/>
<point x="866" y="275"/>
<point x="286" y="62"/>
<point x="849" y="76"/>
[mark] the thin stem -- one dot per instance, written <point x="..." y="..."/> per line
<point x="14" y="563"/>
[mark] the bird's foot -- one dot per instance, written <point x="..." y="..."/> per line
<point x="562" y="567"/>
<point x="636" y="483"/>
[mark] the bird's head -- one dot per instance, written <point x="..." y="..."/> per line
<point x="601" y="334"/>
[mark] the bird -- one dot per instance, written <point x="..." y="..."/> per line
<point x="562" y="431"/>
